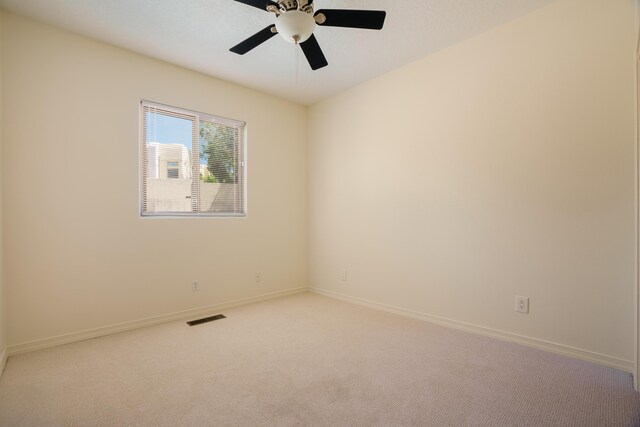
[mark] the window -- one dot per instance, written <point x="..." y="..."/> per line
<point x="192" y="164"/>
<point x="172" y="170"/>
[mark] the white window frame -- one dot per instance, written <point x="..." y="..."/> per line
<point x="195" y="154"/>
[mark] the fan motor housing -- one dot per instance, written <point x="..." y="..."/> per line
<point x="287" y="5"/>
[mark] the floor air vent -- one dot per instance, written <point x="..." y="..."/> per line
<point x="206" y="319"/>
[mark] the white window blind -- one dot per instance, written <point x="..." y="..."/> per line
<point x="192" y="164"/>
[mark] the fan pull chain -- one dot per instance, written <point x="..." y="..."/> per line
<point x="297" y="59"/>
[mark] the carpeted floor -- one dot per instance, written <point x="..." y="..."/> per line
<point x="309" y="360"/>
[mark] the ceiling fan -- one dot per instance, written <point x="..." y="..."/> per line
<point x="295" y="22"/>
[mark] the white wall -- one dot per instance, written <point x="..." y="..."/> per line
<point x="498" y="167"/>
<point x="71" y="134"/>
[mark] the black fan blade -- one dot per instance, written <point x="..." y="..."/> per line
<point x="367" y="19"/>
<point x="314" y="54"/>
<point x="260" y="4"/>
<point x="255" y="40"/>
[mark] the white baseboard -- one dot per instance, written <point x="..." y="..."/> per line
<point x="565" y="350"/>
<point x="610" y="361"/>
<point x="149" y="321"/>
<point x="3" y="359"/>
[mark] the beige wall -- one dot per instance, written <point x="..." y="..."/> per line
<point x="3" y="340"/>
<point x="501" y="166"/>
<point x="636" y="380"/>
<point x="71" y="135"/>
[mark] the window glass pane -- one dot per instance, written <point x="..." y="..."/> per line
<point x="220" y="169"/>
<point x="169" y="168"/>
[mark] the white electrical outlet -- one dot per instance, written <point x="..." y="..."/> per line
<point x="344" y="276"/>
<point x="258" y="277"/>
<point x="522" y="304"/>
<point x="195" y="287"/>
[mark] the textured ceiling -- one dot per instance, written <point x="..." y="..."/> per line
<point x="197" y="34"/>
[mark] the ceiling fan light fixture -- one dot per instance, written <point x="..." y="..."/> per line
<point x="296" y="20"/>
<point x="295" y="26"/>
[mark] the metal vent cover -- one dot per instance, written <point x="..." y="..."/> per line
<point x="206" y="320"/>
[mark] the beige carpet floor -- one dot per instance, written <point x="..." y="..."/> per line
<point x="309" y="360"/>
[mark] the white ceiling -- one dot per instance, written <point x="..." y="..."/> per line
<point x="197" y="34"/>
